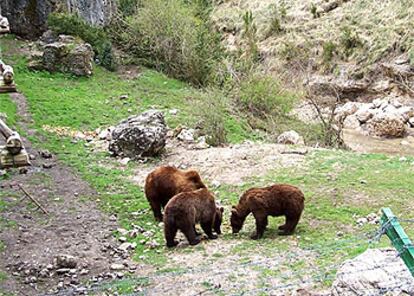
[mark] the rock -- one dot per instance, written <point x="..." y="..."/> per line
<point x="186" y="135"/>
<point x="104" y="135"/>
<point x="330" y="86"/>
<point x="406" y="112"/>
<point x="173" y="111"/>
<point x="290" y="138"/>
<point x="125" y="161"/>
<point x="49" y="37"/>
<point x="117" y="266"/>
<point x="379" y="102"/>
<point x="364" y="114"/>
<point x="23" y="171"/>
<point x="45" y="154"/>
<point x="123" y="97"/>
<point x="373" y="272"/>
<point x="201" y="143"/>
<point x="362" y="221"/>
<point x="152" y="244"/>
<point x="47" y="165"/>
<point x="139" y="136"/>
<point x="347" y="109"/>
<point x="127" y="246"/>
<point x="66" y="261"/>
<point x="386" y="125"/>
<point x="411" y="121"/>
<point x="351" y="122"/>
<point x="122" y="239"/>
<point x="4" y="25"/>
<point x="28" y="18"/>
<point x="67" y="55"/>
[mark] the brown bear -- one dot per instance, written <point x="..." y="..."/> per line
<point x="185" y="210"/>
<point x="165" y="182"/>
<point x="277" y="200"/>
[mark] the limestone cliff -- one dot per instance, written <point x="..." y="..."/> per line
<point x="28" y="17"/>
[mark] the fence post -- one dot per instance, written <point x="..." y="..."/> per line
<point x="398" y="238"/>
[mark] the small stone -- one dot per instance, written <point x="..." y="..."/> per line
<point x="363" y="181"/>
<point x="117" y="266"/>
<point x="173" y="111"/>
<point x="123" y="97"/>
<point x="362" y="221"/>
<point x="84" y="271"/>
<point x="215" y="183"/>
<point x="112" y="218"/>
<point x="152" y="244"/>
<point x="60" y="285"/>
<point x="23" y="171"/>
<point x="122" y="239"/>
<point x="62" y="270"/>
<point x="3" y="173"/>
<point x="47" y="165"/>
<point x="66" y="261"/>
<point x="148" y="234"/>
<point x="32" y="156"/>
<point x="49" y="266"/>
<point x="290" y="138"/>
<point x="122" y="231"/>
<point x="119" y="275"/>
<point x="186" y="135"/>
<point x="45" y="154"/>
<point x="124" y="161"/>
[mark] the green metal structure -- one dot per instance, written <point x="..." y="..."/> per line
<point x="398" y="237"/>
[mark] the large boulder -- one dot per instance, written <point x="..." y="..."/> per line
<point x="28" y="18"/>
<point x="138" y="136"/>
<point x="390" y="125"/>
<point x="290" y="138"/>
<point x="67" y="55"/>
<point x="374" y="272"/>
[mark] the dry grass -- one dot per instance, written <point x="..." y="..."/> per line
<point x="383" y="27"/>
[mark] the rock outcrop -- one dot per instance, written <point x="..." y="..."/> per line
<point x="67" y="55"/>
<point x="28" y="18"/>
<point x="138" y="136"/>
<point x="384" y="117"/>
<point x="374" y="272"/>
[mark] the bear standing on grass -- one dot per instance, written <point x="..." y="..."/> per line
<point x="277" y="200"/>
<point x="165" y="182"/>
<point x="185" y="210"/>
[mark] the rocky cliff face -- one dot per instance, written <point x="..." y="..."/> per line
<point x="28" y="17"/>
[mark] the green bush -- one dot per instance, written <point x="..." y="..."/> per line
<point x="128" y="7"/>
<point x="329" y="49"/>
<point x="213" y="113"/>
<point x="173" y="36"/>
<point x="71" y="24"/>
<point x="262" y="96"/>
<point x="349" y="40"/>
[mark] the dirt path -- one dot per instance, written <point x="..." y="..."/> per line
<point x="74" y="226"/>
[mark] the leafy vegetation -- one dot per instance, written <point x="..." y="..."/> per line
<point x="71" y="24"/>
<point x="173" y="37"/>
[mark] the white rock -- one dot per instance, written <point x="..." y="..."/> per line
<point x="386" y="125"/>
<point x="364" y="114"/>
<point x="290" y="138"/>
<point x="372" y="272"/>
<point x="351" y="122"/>
<point x="347" y="109"/>
<point x="186" y="135"/>
<point x="117" y="266"/>
<point x="104" y="135"/>
<point x="173" y="111"/>
<point x="125" y="160"/>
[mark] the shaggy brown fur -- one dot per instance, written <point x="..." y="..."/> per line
<point x="187" y="209"/>
<point x="277" y="200"/>
<point x="165" y="182"/>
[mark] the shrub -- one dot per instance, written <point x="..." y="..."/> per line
<point x="213" y="114"/>
<point x="128" y="7"/>
<point x="74" y="25"/>
<point x="262" y="96"/>
<point x="250" y="38"/>
<point x="329" y="49"/>
<point x="349" y="40"/>
<point x="173" y="37"/>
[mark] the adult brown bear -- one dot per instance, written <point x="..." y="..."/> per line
<point x="165" y="182"/>
<point x="185" y="210"/>
<point x="277" y="200"/>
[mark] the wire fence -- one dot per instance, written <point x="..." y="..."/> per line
<point x="276" y="282"/>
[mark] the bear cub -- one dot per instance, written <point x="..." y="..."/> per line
<point x="277" y="200"/>
<point x="165" y="182"/>
<point x="185" y="210"/>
